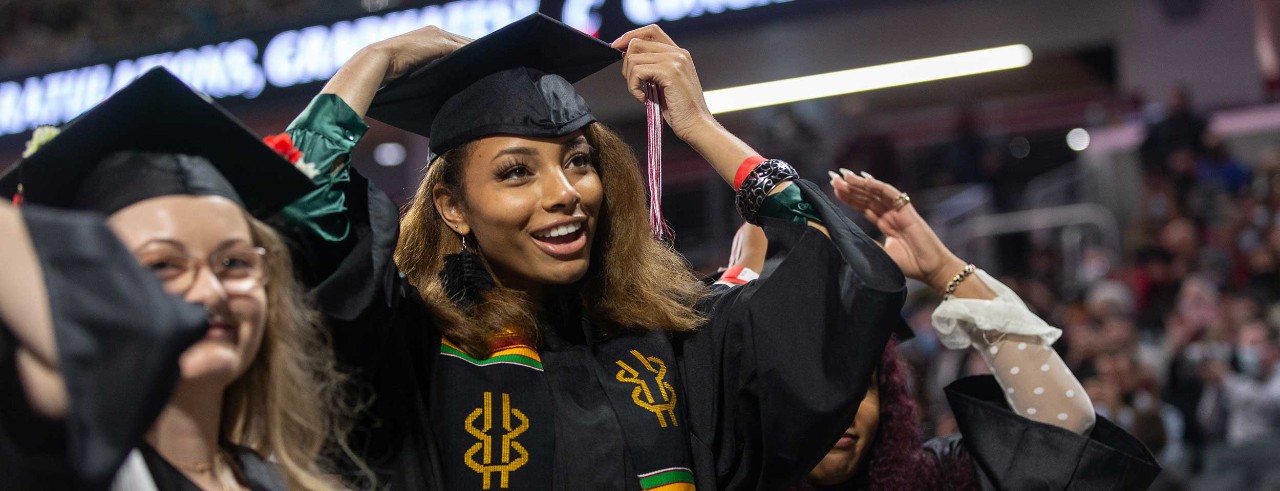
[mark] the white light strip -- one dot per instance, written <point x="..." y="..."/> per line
<point x="868" y="78"/>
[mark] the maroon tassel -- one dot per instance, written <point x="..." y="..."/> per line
<point x="653" y="113"/>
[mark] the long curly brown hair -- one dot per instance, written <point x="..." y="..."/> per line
<point x="634" y="283"/>
<point x="290" y="406"/>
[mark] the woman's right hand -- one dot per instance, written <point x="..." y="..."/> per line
<point x="361" y="76"/>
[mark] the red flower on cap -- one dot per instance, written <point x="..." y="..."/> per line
<point x="283" y="145"/>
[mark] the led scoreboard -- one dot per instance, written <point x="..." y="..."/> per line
<point x="251" y="66"/>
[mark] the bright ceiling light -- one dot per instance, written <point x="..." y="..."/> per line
<point x="868" y="78"/>
<point x="1078" y="139"/>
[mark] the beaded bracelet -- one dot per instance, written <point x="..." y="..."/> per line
<point x="757" y="185"/>
<point x="955" y="282"/>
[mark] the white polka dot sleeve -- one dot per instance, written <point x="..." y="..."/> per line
<point x="1016" y="345"/>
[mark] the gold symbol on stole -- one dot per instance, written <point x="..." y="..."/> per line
<point x="667" y="404"/>
<point x="505" y="464"/>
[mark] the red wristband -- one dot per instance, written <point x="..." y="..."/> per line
<point x="745" y="169"/>
<point x="731" y="275"/>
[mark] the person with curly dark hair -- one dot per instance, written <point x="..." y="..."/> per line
<point x="885" y="435"/>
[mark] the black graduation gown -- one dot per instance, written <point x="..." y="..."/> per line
<point x="1011" y="452"/>
<point x="769" y="383"/>
<point x="997" y="449"/>
<point x="118" y="337"/>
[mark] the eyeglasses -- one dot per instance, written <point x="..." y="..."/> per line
<point x="239" y="268"/>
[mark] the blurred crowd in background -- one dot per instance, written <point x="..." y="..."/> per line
<point x="1174" y="335"/>
<point x="38" y="34"/>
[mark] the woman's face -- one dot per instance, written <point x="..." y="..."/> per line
<point x="843" y="461"/>
<point x="201" y="248"/>
<point x="531" y="204"/>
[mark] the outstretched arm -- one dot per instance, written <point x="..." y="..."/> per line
<point x="92" y="341"/>
<point x="981" y="313"/>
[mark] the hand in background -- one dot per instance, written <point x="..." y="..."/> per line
<point x="909" y="240"/>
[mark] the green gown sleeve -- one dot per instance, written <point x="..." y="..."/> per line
<point x="343" y="236"/>
<point x="326" y="131"/>
<point x="789" y="205"/>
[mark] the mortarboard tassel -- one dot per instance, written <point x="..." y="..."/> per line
<point x="17" y="197"/>
<point x="653" y="112"/>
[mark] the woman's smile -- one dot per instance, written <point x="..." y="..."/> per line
<point x="222" y="332"/>
<point x="200" y="226"/>
<point x="531" y="205"/>
<point x="564" y="239"/>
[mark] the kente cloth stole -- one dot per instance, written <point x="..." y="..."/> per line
<point x="640" y="376"/>
<point x="495" y="416"/>
<point x="494" y="419"/>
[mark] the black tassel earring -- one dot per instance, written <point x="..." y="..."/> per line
<point x="464" y="278"/>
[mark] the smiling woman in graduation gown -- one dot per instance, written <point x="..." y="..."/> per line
<point x="748" y="398"/>
<point x="180" y="182"/>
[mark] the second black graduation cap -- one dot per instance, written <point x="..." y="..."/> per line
<point x="156" y="117"/>
<point x="516" y="80"/>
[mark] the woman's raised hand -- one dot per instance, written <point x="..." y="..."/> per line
<point x="416" y="48"/>
<point x="359" y="78"/>
<point x="651" y="56"/>
<point x="908" y="238"/>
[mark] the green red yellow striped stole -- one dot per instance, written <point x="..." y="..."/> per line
<point x="673" y="479"/>
<point x="510" y="354"/>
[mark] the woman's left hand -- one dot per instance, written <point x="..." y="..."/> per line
<point x="909" y="240"/>
<point x="651" y="56"/>
<point x="359" y="78"/>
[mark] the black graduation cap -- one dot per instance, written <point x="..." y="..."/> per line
<point x="155" y="137"/>
<point x="517" y="80"/>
